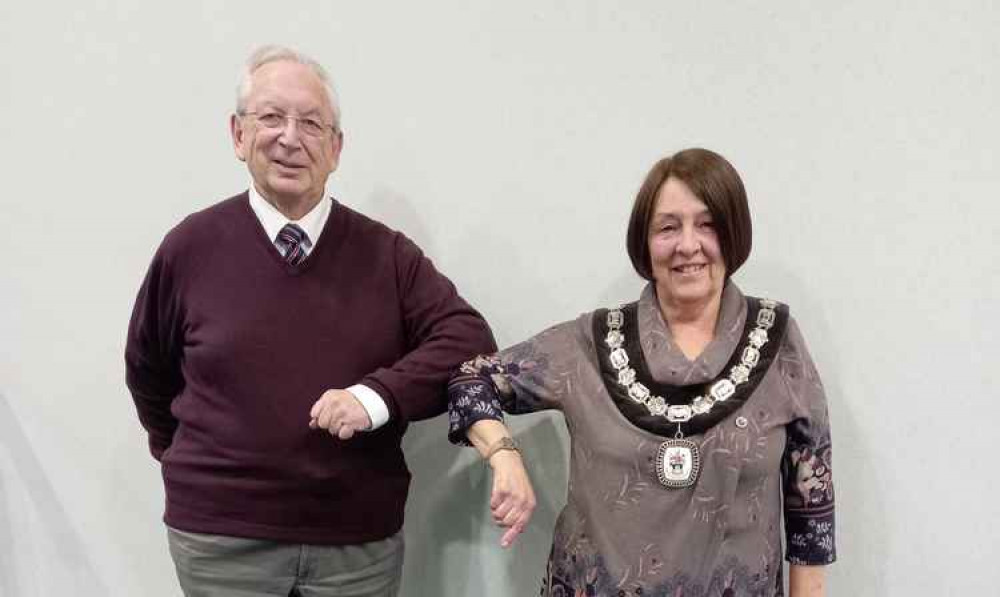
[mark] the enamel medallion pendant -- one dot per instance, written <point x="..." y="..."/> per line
<point x="678" y="463"/>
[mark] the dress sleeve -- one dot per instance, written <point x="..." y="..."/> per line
<point x="806" y="465"/>
<point x="153" y="354"/>
<point x="527" y="377"/>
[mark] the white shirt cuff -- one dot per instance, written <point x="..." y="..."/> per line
<point x="373" y="404"/>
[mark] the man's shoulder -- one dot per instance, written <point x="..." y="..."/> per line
<point x="364" y="223"/>
<point x="371" y="232"/>
<point x="206" y="225"/>
<point x="222" y="212"/>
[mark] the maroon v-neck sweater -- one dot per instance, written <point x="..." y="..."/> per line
<point x="229" y="347"/>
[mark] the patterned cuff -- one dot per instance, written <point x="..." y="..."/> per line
<point x="373" y="404"/>
<point x="470" y="400"/>
<point x="810" y="539"/>
<point x="457" y="429"/>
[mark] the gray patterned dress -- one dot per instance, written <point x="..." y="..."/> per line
<point x="621" y="531"/>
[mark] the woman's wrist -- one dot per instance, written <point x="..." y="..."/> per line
<point x="504" y="444"/>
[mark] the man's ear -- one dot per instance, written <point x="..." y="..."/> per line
<point x="338" y="141"/>
<point x="239" y="136"/>
<point x="336" y="146"/>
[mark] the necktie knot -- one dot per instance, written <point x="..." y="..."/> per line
<point x="292" y="238"/>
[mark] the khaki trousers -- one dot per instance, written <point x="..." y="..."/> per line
<point x="221" y="566"/>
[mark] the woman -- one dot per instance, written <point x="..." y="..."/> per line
<point x="696" y="417"/>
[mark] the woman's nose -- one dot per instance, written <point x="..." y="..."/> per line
<point x="689" y="241"/>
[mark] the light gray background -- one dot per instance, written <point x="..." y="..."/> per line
<point x="508" y="139"/>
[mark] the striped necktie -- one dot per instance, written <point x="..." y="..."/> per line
<point x="292" y="239"/>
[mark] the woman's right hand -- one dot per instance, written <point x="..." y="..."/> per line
<point x="512" y="500"/>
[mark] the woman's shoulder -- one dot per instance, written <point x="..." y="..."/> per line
<point x="776" y="318"/>
<point x="795" y="363"/>
<point x="565" y="339"/>
<point x="575" y="330"/>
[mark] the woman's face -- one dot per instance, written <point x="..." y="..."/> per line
<point x="684" y="249"/>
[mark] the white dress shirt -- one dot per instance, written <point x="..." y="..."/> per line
<point x="313" y="223"/>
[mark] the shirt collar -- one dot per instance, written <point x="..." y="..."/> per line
<point x="666" y="362"/>
<point x="273" y="220"/>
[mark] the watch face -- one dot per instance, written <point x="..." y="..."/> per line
<point x="504" y="443"/>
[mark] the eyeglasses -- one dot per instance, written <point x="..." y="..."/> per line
<point x="274" y="121"/>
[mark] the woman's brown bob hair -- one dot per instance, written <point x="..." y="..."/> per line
<point x="713" y="180"/>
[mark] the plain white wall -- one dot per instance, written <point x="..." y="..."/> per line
<point x="508" y="139"/>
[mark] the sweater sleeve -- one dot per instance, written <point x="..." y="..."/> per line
<point x="442" y="331"/>
<point x="153" y="354"/>
<point x="806" y="470"/>
<point x="527" y="377"/>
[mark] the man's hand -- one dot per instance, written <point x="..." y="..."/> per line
<point x="340" y="413"/>
<point x="512" y="500"/>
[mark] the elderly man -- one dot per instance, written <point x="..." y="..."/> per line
<point x="279" y="346"/>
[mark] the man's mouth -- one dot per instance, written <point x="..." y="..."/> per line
<point x="287" y="165"/>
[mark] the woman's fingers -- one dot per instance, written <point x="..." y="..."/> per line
<point x="512" y="501"/>
<point x="508" y="537"/>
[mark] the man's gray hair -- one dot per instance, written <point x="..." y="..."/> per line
<point x="268" y="54"/>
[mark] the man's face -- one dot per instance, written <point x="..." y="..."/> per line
<point x="288" y="165"/>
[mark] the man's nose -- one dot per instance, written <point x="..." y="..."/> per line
<point x="290" y="134"/>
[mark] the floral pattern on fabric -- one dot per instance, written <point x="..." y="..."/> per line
<point x="518" y="380"/>
<point x="576" y="575"/>
<point x="474" y="395"/>
<point x="807" y="470"/>
<point x="811" y="485"/>
<point x="809" y="517"/>
<point x="621" y="532"/>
